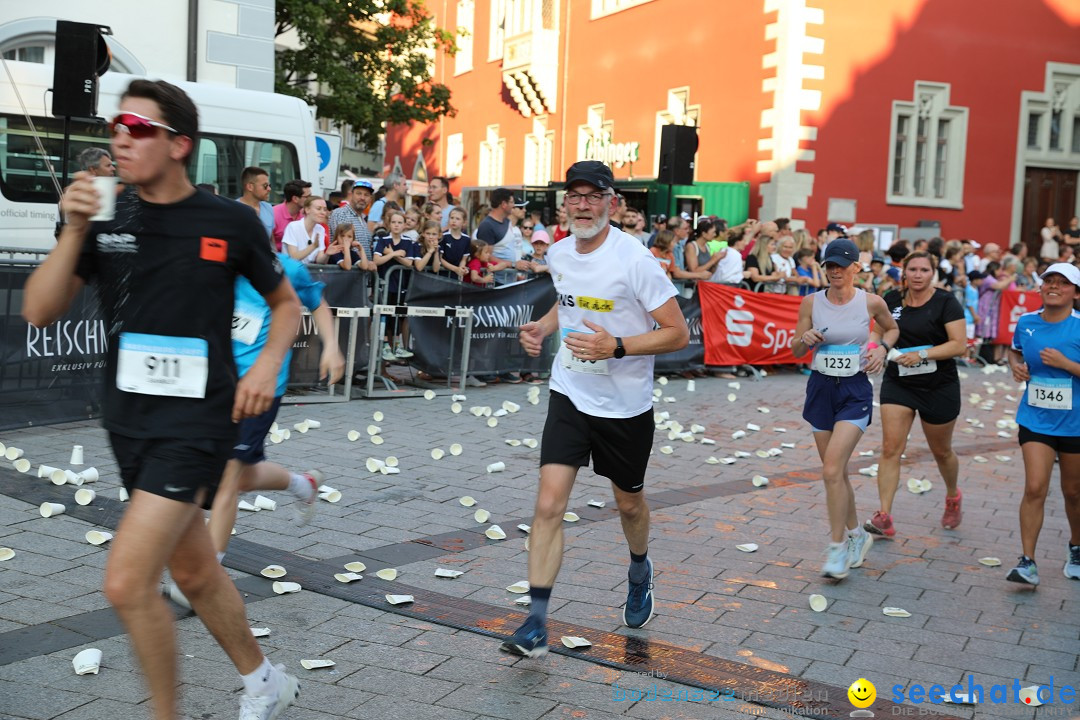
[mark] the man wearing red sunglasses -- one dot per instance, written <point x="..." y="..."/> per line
<point x="171" y="397"/>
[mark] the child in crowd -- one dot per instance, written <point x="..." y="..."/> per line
<point x="879" y="276"/>
<point x="454" y="246"/>
<point x="429" y="248"/>
<point x="661" y="250"/>
<point x="395" y="249"/>
<point x="969" y="286"/>
<point x="540" y="243"/>
<point x="343" y="250"/>
<point x="412" y="224"/>
<point x="482" y="265"/>
<point x="807" y="266"/>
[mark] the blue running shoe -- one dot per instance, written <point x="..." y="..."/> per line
<point x="1025" y="572"/>
<point x="529" y="640"/>
<point x="639" y="601"/>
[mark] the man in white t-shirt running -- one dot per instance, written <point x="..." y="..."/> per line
<point x="611" y="293"/>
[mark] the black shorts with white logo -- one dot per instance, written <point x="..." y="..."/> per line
<point x="177" y="469"/>
<point x="619" y="447"/>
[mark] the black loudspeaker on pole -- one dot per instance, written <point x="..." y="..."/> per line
<point x="678" y="146"/>
<point x="82" y="56"/>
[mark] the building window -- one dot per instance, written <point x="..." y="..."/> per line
<point x="455" y="155"/>
<point x="1034" y="120"/>
<point x="32" y="53"/>
<point x="492" y="154"/>
<point x="539" y="150"/>
<point x="498" y="30"/>
<point x="1076" y="134"/>
<point x="463" y="59"/>
<point x="927" y="149"/>
<point x="600" y="8"/>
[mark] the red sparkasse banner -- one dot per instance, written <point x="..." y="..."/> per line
<point x="747" y="328"/>
<point x="1014" y="303"/>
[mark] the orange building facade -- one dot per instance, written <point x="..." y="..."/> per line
<point x="963" y="112"/>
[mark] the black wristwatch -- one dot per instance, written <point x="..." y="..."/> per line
<point x="620" y="351"/>
<point x="886" y="346"/>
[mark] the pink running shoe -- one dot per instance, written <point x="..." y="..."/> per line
<point x="950" y="520"/>
<point x="880" y="524"/>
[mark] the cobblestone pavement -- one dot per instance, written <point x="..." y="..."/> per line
<point x="712" y="599"/>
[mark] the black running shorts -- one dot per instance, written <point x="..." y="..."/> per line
<point x="176" y="469"/>
<point x="619" y="447"/>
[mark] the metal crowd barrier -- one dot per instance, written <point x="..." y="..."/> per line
<point x="353" y="315"/>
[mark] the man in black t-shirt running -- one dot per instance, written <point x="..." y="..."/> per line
<point x="164" y="268"/>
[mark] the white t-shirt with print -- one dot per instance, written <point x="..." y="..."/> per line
<point x="615" y="286"/>
<point x="296" y="236"/>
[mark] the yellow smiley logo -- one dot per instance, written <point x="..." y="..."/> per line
<point x="862" y="693"/>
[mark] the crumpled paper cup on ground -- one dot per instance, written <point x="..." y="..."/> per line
<point x="87" y="662"/>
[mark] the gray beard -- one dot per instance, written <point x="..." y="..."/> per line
<point x="591" y="231"/>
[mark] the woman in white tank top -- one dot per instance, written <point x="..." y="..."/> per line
<point x="835" y="325"/>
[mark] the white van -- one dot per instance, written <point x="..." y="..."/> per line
<point x="237" y="128"/>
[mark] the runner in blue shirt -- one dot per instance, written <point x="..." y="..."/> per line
<point x="248" y="470"/>
<point x="1045" y="354"/>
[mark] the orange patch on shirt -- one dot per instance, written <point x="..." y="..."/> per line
<point x="214" y="249"/>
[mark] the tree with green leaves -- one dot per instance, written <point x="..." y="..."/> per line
<point x="364" y="62"/>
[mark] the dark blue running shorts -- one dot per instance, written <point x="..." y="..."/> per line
<point x="832" y="399"/>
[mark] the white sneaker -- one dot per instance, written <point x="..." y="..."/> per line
<point x="401" y="352"/>
<point x="388" y="354"/>
<point x="307" y="504"/>
<point x="858" y="545"/>
<point x="269" y="707"/>
<point x="836" y="561"/>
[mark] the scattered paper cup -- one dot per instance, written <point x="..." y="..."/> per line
<point x="732" y="397"/>
<point x="1030" y="696"/>
<point x="98" y="537"/>
<point x="273" y="571"/>
<point x="246" y="506"/>
<point x="72" y="478"/>
<point x="496" y="467"/>
<point x="6" y="554"/>
<point x="374" y="464"/>
<point x="84" y="496"/>
<point x="458" y="398"/>
<point x="572" y="642"/>
<point x="467" y="501"/>
<point x="429" y="394"/>
<point x="495" y="533"/>
<point x="734" y="385"/>
<point x="355" y="566"/>
<point x="451" y="574"/>
<point x="456" y="449"/>
<point x="747" y="547"/>
<point x="391" y="461"/>
<point x="122" y="494"/>
<point x="264" y="503"/>
<point x="89" y="475"/>
<point x="377" y="416"/>
<point x="570" y="516"/>
<point x="330" y="496"/>
<point x="276" y="437"/>
<point x="437" y="454"/>
<point x="492" y="422"/>
<point x="895" y="612"/>
<point x="283" y="588"/>
<point x="455" y="408"/>
<point x="712" y="460"/>
<point x="348" y="577"/>
<point x="523" y="600"/>
<point x="316" y="664"/>
<point x="386" y="574"/>
<point x="373" y="429"/>
<point x="518" y="588"/>
<point x="301" y="427"/>
<point x="530" y="443"/>
<point x="13" y="453"/>
<point x="524" y="528"/>
<point x="990" y="561"/>
<point x="313" y="424"/>
<point x="46" y="471"/>
<point x="501" y="412"/>
<point x="513" y="442"/>
<point x="818" y="603"/>
<point x="399" y="599"/>
<point x="376" y="439"/>
<point x="481" y="516"/>
<point x="596" y="503"/>
<point x="690" y="386"/>
<point x="260" y="632"/>
<point x="753" y="427"/>
<point x="353" y="435"/>
<point x="667" y="449"/>
<point x="760" y="481"/>
<point x="762" y="453"/>
<point x="88" y="661"/>
<point x="510" y="407"/>
<point x="22" y="465"/>
<point x="76" y="455"/>
<point x="49" y="509"/>
<point x="708" y="441"/>
<point x="738" y="435"/>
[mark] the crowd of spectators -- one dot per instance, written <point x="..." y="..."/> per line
<point x="363" y="230"/>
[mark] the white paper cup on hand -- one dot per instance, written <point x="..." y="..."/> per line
<point x="106" y="191"/>
<point x="87" y="662"/>
<point x="49" y="509"/>
<point x="85" y="496"/>
<point x="76" y="455"/>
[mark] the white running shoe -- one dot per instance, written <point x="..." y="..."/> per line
<point x="269" y="707"/>
<point x="171" y="591"/>
<point x="402" y="353"/>
<point x="388" y="354"/>
<point x="858" y="545"/>
<point x="836" y="561"/>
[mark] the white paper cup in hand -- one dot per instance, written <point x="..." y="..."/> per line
<point x="106" y="190"/>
